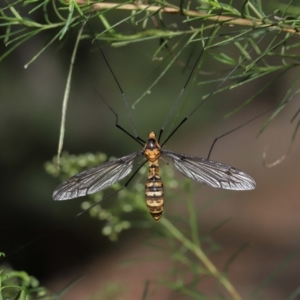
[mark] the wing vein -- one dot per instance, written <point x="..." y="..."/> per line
<point x="209" y="172"/>
<point x="95" y="179"/>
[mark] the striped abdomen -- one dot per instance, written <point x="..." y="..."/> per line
<point x="154" y="191"/>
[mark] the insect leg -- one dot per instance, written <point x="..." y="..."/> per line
<point x="244" y="124"/>
<point x="185" y="85"/>
<point x="209" y="95"/>
<point x="135" y="135"/>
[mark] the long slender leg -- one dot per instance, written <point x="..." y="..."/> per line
<point x="204" y="101"/>
<point x="135" y="135"/>
<point x="244" y="124"/>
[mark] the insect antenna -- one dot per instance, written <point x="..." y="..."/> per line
<point x="135" y="135"/>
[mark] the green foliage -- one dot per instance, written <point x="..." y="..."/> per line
<point x="252" y="41"/>
<point x="265" y="36"/>
<point x="18" y="285"/>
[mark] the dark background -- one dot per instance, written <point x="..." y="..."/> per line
<point x="30" y="111"/>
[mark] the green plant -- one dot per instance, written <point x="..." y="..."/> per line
<point x="266" y="44"/>
<point x="19" y="285"/>
<point x="265" y="37"/>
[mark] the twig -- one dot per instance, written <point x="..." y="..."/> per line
<point x="190" y="13"/>
<point x="202" y="257"/>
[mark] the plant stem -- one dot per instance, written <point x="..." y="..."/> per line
<point x="191" y="13"/>
<point x="66" y="95"/>
<point x="202" y="257"/>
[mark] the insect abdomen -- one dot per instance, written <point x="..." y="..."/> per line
<point x="154" y="191"/>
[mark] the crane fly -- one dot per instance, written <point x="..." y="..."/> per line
<point x="202" y="170"/>
<point x="206" y="171"/>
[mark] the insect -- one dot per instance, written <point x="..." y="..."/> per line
<point x="212" y="173"/>
<point x="202" y="170"/>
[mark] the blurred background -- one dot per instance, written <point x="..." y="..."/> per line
<point x="31" y="99"/>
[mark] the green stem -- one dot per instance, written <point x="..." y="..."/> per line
<point x="202" y="257"/>
<point x="168" y="8"/>
<point x="66" y="95"/>
<point x="192" y="217"/>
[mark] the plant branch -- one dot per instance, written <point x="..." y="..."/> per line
<point x="202" y="257"/>
<point x="171" y="9"/>
<point x="66" y="96"/>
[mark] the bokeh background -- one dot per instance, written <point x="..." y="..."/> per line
<point x="31" y="99"/>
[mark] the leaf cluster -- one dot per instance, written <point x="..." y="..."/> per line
<point x="264" y="37"/>
<point x="19" y="285"/>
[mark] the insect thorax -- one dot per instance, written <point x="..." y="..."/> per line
<point x="152" y="148"/>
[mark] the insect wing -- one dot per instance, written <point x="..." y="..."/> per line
<point x="95" y="179"/>
<point x="212" y="173"/>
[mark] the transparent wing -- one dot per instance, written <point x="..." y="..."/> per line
<point x="212" y="173"/>
<point x="95" y="179"/>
